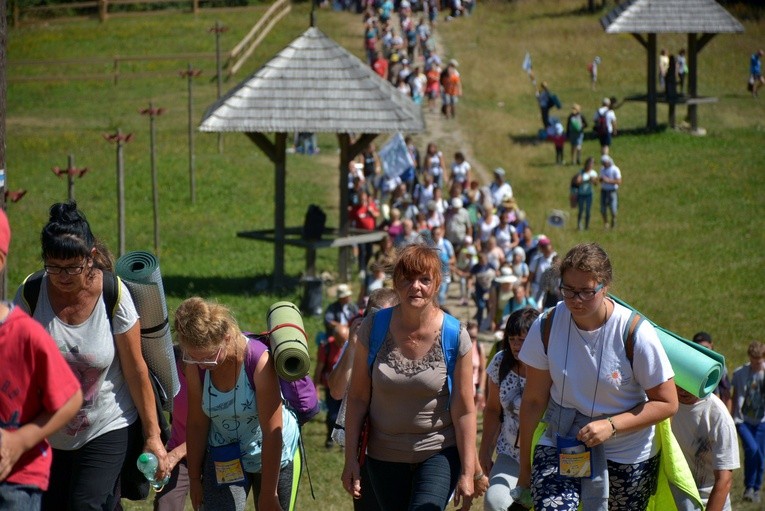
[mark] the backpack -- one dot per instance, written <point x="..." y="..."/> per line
<point x="628" y="336"/>
<point x="450" y="341"/>
<point x="133" y="484"/>
<point x="299" y="395"/>
<point x="601" y="123"/>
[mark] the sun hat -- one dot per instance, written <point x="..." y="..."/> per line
<point x="499" y="171"/>
<point x="506" y="276"/>
<point x="343" y="291"/>
<point x="606" y="159"/>
<point x="576" y="108"/>
<point x="456" y="203"/>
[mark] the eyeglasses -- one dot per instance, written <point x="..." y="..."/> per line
<point x="210" y="362"/>
<point x="69" y="270"/>
<point x="584" y="295"/>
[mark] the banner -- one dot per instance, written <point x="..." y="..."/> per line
<point x="526" y="66"/>
<point x="395" y="156"/>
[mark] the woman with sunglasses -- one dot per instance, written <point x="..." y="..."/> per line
<point x="89" y="452"/>
<point x="600" y="405"/>
<point x="238" y="435"/>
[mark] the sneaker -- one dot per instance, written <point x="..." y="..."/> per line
<point x="756" y="497"/>
<point x="748" y="495"/>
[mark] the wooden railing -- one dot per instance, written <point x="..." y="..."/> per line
<point x="115" y="62"/>
<point x="265" y="24"/>
<point x="102" y="6"/>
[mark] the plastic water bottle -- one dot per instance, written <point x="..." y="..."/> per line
<point x="147" y="463"/>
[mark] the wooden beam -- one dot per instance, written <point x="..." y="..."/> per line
<point x="640" y="39"/>
<point x="264" y="145"/>
<point x="705" y="38"/>
<point x="360" y="144"/>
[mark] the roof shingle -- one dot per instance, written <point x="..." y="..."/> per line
<point x="314" y="85"/>
<point x="670" y="16"/>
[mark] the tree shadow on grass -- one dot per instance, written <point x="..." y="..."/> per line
<point x="183" y="286"/>
<point x="527" y="139"/>
<point x="577" y="11"/>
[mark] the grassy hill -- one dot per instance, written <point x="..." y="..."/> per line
<point x="688" y="250"/>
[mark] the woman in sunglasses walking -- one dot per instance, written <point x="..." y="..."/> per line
<point x="601" y="392"/>
<point x="239" y="437"/>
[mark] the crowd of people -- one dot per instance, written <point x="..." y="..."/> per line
<point x="403" y="379"/>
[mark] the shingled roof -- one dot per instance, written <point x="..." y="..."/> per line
<point x="314" y="85"/>
<point x="670" y="16"/>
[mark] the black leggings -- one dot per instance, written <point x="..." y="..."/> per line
<point x="85" y="479"/>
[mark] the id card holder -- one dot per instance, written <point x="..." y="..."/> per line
<point x="228" y="464"/>
<point x="574" y="458"/>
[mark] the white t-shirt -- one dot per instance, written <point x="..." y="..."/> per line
<point x="707" y="436"/>
<point x="611" y="172"/>
<point x="89" y="350"/>
<point x="573" y="359"/>
<point x="510" y="393"/>
<point x="460" y="171"/>
<point x="500" y="192"/>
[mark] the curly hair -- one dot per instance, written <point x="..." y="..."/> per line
<point x="201" y="324"/>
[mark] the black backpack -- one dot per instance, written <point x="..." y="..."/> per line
<point x="134" y="486"/>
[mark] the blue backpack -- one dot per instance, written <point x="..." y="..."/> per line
<point x="450" y="341"/>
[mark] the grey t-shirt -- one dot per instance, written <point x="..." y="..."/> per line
<point x="89" y="350"/>
<point x="409" y="415"/>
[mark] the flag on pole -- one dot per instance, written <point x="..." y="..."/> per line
<point x="395" y="156"/>
<point x="527" y="63"/>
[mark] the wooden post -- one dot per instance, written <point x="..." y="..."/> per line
<point x="120" y="195"/>
<point x="116" y="69"/>
<point x="651" y="122"/>
<point x="195" y="6"/>
<point x="342" y="224"/>
<point x="70" y="178"/>
<point x="154" y="180"/>
<point x="103" y="10"/>
<point x="190" y="74"/>
<point x="693" y="52"/>
<point x="218" y="29"/>
<point x="280" y="180"/>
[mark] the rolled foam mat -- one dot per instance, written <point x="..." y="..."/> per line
<point x="140" y="273"/>
<point x="697" y="369"/>
<point x="288" y="342"/>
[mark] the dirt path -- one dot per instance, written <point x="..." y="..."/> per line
<point x="447" y="133"/>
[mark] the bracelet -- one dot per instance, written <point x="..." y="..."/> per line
<point x="613" y="426"/>
<point x="478" y="476"/>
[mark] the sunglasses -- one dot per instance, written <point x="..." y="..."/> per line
<point x="208" y="362"/>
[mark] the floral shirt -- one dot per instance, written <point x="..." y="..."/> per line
<point x="510" y="392"/>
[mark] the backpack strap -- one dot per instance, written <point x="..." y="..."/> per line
<point x="450" y="344"/>
<point x="112" y="291"/>
<point x="545" y="326"/>
<point x="255" y="348"/>
<point x="30" y="290"/>
<point x="380" y="326"/>
<point x="450" y="341"/>
<point x="633" y="323"/>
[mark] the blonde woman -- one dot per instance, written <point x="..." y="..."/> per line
<point x="239" y="436"/>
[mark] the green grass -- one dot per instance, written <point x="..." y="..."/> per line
<point x="688" y="251"/>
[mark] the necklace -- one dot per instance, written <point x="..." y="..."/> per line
<point x="593" y="347"/>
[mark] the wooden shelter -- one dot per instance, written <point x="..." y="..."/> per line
<point x="700" y="19"/>
<point x="312" y="85"/>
